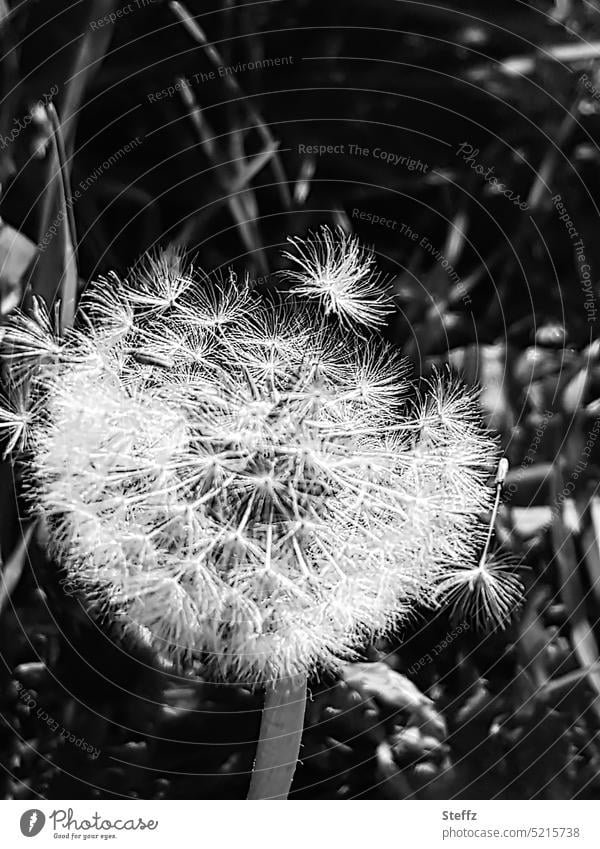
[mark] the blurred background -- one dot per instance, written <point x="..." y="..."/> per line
<point x="459" y="141"/>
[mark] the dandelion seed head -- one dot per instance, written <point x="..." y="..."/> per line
<point x="230" y="480"/>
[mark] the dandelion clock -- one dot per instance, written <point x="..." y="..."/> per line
<point x="245" y="481"/>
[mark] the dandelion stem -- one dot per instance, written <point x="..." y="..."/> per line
<point x="279" y="741"/>
<point x="500" y="477"/>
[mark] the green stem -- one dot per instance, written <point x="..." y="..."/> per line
<point x="279" y="741"/>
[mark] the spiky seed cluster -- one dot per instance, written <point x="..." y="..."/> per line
<point x="486" y="594"/>
<point x="336" y="270"/>
<point x="234" y="478"/>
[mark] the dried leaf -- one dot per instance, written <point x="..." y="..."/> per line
<point x="394" y="693"/>
<point x="17" y="253"/>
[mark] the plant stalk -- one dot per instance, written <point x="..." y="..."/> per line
<point x="278" y="747"/>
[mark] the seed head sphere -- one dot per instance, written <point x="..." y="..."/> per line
<point x="247" y="481"/>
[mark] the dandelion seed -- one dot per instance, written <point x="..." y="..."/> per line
<point x="340" y="274"/>
<point x="487" y="595"/>
<point x="377" y="379"/>
<point x="220" y="304"/>
<point x="108" y="315"/>
<point x="14" y="422"/>
<point x="27" y="340"/>
<point x="159" y="282"/>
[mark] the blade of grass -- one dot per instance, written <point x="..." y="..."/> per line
<point x="195" y="222"/>
<point x="10" y="86"/>
<point x="523" y="65"/>
<point x="54" y="274"/>
<point x="230" y="82"/>
<point x="539" y="190"/>
<point x="11" y="571"/>
<point x="245" y="224"/>
<point x="90" y="54"/>
<point x="565" y="527"/>
<point x="590" y="538"/>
